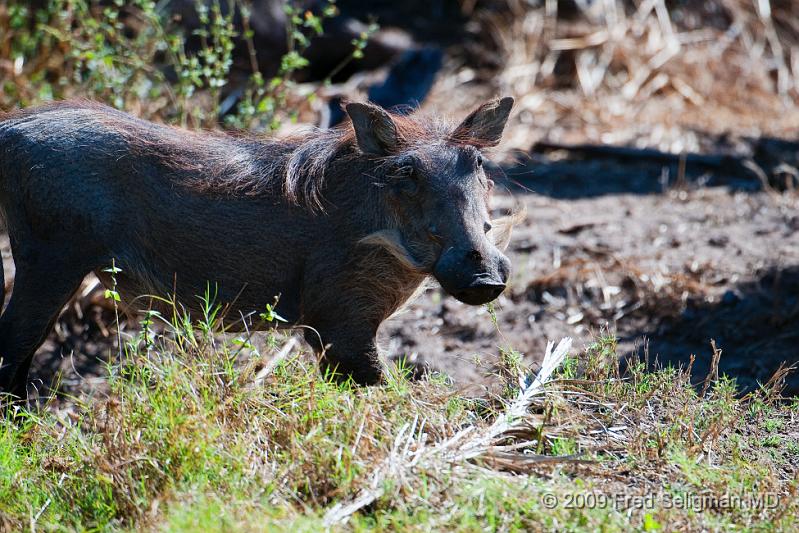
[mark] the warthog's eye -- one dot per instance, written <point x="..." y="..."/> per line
<point x="432" y="232"/>
<point x="487" y="227"/>
<point x="404" y="181"/>
<point x="479" y="160"/>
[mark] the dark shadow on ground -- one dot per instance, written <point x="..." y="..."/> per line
<point x="587" y="171"/>
<point x="75" y="354"/>
<point x="755" y="324"/>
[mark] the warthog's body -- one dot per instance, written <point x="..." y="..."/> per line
<point x="331" y="222"/>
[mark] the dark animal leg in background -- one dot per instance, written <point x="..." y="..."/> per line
<point x="41" y="288"/>
<point x="407" y="85"/>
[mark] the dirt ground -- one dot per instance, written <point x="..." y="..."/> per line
<point x="667" y="256"/>
<point x="668" y="262"/>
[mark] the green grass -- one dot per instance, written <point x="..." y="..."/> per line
<point x="186" y="439"/>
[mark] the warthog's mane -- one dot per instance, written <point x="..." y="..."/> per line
<point x="224" y="164"/>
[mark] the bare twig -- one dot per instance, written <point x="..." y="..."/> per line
<point x="270" y="366"/>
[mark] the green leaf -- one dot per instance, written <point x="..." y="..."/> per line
<point x="650" y="524"/>
<point x="270" y="315"/>
<point x="113" y="295"/>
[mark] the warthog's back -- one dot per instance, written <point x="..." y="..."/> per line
<point x="86" y="140"/>
<point x="54" y="164"/>
<point x="157" y="199"/>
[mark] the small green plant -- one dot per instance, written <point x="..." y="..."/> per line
<point x="512" y="370"/>
<point x="563" y="446"/>
<point x="568" y="370"/>
<point x="113" y="295"/>
<point x="123" y="53"/>
<point x="147" y="336"/>
<point x="270" y="314"/>
<point x="211" y="312"/>
<point x="492" y="312"/>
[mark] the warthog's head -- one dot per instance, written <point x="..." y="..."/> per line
<point x="438" y="191"/>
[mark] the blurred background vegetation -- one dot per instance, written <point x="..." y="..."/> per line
<point x="598" y="70"/>
<point x="175" y="60"/>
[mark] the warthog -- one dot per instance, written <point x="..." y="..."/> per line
<point x="343" y="225"/>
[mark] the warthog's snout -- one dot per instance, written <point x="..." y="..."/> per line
<point x="473" y="277"/>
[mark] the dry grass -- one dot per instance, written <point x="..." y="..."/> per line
<point x="600" y="290"/>
<point x="644" y="72"/>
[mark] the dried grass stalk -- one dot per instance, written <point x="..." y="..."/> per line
<point x="410" y="450"/>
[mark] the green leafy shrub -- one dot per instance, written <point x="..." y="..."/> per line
<point x="133" y="55"/>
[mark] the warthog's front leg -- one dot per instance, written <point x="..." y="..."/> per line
<point x="343" y="322"/>
<point x="345" y="300"/>
<point x="346" y="353"/>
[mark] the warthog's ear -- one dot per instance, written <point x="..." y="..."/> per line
<point x="375" y="131"/>
<point x="485" y="124"/>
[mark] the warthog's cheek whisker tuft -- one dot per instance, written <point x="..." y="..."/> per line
<point x="391" y="241"/>
<point x="502" y="228"/>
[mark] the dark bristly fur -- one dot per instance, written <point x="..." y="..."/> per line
<point x="343" y="225"/>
